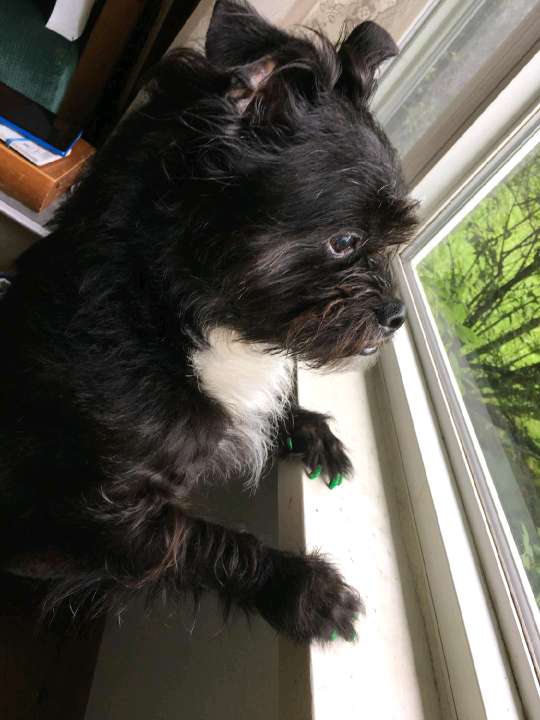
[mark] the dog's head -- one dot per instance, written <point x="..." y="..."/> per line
<point x="308" y="201"/>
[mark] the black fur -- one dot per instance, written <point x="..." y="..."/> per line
<point x="212" y="205"/>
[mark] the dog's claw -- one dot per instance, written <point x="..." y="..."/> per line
<point x="335" y="481"/>
<point x="314" y="474"/>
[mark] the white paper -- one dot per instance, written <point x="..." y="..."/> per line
<point x="69" y="17"/>
<point x="30" y="150"/>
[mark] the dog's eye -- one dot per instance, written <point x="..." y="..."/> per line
<point x="344" y="243"/>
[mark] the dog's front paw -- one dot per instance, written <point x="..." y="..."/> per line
<point x="306" y="598"/>
<point x="322" y="452"/>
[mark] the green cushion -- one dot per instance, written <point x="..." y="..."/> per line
<point x="35" y="61"/>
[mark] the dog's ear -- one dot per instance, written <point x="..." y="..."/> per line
<point x="239" y="39"/>
<point x="239" y="36"/>
<point x="361" y="53"/>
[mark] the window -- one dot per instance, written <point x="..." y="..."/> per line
<point x="471" y="281"/>
<point x="470" y="276"/>
<point x="481" y="282"/>
<point x="443" y="72"/>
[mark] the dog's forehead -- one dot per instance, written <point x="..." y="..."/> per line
<point x="331" y="178"/>
<point x="352" y="147"/>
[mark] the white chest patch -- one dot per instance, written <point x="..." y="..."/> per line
<point x="254" y="387"/>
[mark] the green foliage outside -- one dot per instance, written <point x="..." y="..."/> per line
<point x="483" y="285"/>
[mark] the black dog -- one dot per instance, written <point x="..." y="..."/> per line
<point x="242" y="217"/>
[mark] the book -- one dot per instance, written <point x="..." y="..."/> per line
<point x="33" y="151"/>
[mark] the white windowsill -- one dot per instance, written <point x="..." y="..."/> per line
<point x="388" y="672"/>
<point x="473" y="660"/>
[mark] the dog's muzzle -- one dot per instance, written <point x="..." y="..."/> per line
<point x="390" y="316"/>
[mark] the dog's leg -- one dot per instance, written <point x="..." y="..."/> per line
<point x="307" y="434"/>
<point x="177" y="554"/>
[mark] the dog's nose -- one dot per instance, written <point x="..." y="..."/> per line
<point x="391" y="315"/>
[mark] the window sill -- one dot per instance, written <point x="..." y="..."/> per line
<point x="357" y="526"/>
<point x="473" y="661"/>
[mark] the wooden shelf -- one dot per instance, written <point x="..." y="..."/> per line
<point x="36" y="187"/>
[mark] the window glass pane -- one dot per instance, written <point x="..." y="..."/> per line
<point x="433" y="87"/>
<point x="482" y="282"/>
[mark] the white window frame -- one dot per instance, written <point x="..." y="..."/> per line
<point x="482" y="630"/>
<point x="433" y="33"/>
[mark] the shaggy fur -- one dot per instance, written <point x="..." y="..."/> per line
<point x="147" y="342"/>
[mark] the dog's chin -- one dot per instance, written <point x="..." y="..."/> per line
<point x="356" y="363"/>
<point x="330" y="335"/>
<point x="363" y="355"/>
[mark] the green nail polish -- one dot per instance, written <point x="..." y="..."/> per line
<point x="314" y="474"/>
<point x="353" y="638"/>
<point x="333" y="635"/>
<point x="335" y="481"/>
<point x="289" y="443"/>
